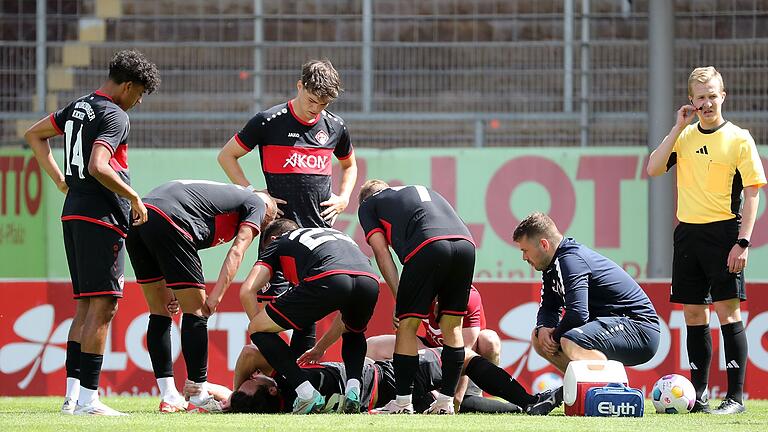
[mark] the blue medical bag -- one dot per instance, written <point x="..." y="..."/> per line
<point x="614" y="400"/>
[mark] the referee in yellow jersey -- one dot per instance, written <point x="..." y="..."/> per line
<point x="716" y="161"/>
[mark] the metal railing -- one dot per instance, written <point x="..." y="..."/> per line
<point x="428" y="73"/>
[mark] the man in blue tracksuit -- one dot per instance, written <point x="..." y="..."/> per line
<point x="607" y="314"/>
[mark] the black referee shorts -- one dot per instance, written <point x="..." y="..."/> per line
<point x="700" y="265"/>
<point x="442" y="269"/>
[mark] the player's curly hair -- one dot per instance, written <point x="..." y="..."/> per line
<point x="131" y="65"/>
<point x="321" y="79"/>
<point x="535" y="226"/>
<point x="370" y="187"/>
<point x="261" y="401"/>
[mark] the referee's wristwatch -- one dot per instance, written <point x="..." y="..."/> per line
<point x="744" y="243"/>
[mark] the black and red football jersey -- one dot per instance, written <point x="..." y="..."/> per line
<point x="410" y="217"/>
<point x="86" y="122"/>
<point x="296" y="158"/>
<point x="306" y="254"/>
<point x="206" y="212"/>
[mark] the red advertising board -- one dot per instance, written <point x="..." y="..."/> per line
<point x="34" y="331"/>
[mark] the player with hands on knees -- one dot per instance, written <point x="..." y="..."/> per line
<point x="187" y="216"/>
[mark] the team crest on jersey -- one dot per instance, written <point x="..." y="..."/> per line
<point x="322" y="137"/>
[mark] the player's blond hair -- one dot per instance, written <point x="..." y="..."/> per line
<point x="704" y="75"/>
<point x="370" y="187"/>
<point x="535" y="227"/>
<point x="321" y="79"/>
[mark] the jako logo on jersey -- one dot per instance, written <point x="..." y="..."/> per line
<point x="293" y="135"/>
<point x="297" y="160"/>
<point x="40" y="348"/>
<point x="608" y="408"/>
<point x="322" y="137"/>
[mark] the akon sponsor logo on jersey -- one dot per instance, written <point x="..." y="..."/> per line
<point x="297" y="160"/>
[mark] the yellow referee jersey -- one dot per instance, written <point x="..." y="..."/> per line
<point x="713" y="166"/>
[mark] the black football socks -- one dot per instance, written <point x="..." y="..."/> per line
<point x="73" y="359"/>
<point x="303" y="340"/>
<point x="279" y="356"/>
<point x="735" y="347"/>
<point x="497" y="382"/>
<point x="159" y="345"/>
<point x="194" y="346"/>
<point x="353" y="347"/>
<point x="452" y="361"/>
<point x="405" y="372"/>
<point x="699" y="345"/>
<point x="90" y="369"/>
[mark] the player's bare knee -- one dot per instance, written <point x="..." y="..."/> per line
<point x="569" y="347"/>
<point x="696" y="314"/>
<point x="409" y="325"/>
<point x="245" y="293"/>
<point x="450" y="322"/>
<point x="538" y="348"/>
<point x="728" y="311"/>
<point x="102" y="309"/>
<point x="490" y="343"/>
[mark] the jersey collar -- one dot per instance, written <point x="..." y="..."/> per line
<point x="102" y="94"/>
<point x="558" y="252"/>
<point x="711" y="131"/>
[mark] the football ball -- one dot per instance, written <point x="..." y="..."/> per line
<point x="673" y="394"/>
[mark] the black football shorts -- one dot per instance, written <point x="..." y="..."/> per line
<point x="96" y="258"/>
<point x="158" y="251"/>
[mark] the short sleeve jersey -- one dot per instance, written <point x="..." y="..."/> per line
<point x="296" y="158"/>
<point x="207" y="213"/>
<point x="410" y="217"/>
<point x="306" y="254"/>
<point x="713" y="166"/>
<point x="588" y="286"/>
<point x="90" y="121"/>
<point x="475" y="318"/>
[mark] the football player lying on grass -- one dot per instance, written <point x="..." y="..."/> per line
<point x="258" y="390"/>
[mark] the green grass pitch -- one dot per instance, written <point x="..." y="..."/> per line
<point x="41" y="414"/>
